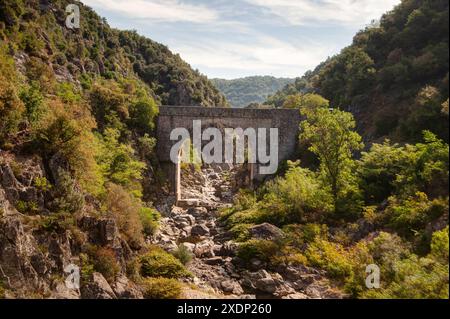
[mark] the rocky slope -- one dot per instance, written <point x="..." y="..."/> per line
<point x="218" y="272"/>
<point x="37" y="252"/>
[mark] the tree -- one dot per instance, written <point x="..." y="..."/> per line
<point x="332" y="138"/>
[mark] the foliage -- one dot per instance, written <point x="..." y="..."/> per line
<point x="183" y="254"/>
<point x="118" y="163"/>
<point x="105" y="263"/>
<point x="394" y="74"/>
<point x="125" y="209"/>
<point x="67" y="196"/>
<point x="332" y="138"/>
<point x="158" y="263"/>
<point x="262" y="250"/>
<point x="161" y="288"/>
<point x="255" y="89"/>
<point x="149" y="219"/>
<point x="404" y="170"/>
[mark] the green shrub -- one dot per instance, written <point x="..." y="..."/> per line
<point x="412" y="214"/>
<point x="183" y="254"/>
<point x="42" y="184"/>
<point x="149" y="219"/>
<point x="67" y="196"/>
<point x="331" y="257"/>
<point x="34" y="103"/>
<point x="161" y="288"/>
<point x="415" y="278"/>
<point x="87" y="268"/>
<point x="158" y="263"/>
<point x="262" y="250"/>
<point x="439" y="245"/>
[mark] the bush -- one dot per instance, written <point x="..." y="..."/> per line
<point x="331" y="257"/>
<point x="161" y="288"/>
<point x="439" y="245"/>
<point x="149" y="219"/>
<point x="262" y="250"/>
<point x="105" y="263"/>
<point x="142" y="114"/>
<point x="33" y="101"/>
<point x="125" y="209"/>
<point x="415" y="278"/>
<point x="158" y="263"/>
<point x="412" y="214"/>
<point x="183" y="254"/>
<point x="67" y="196"/>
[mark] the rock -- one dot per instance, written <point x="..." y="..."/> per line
<point x="7" y="178"/>
<point x="214" y="261"/>
<point x="125" y="289"/>
<point x="229" y="248"/>
<point x="61" y="291"/>
<point x="200" y="230"/>
<point x="204" y="249"/>
<point x="266" y="285"/>
<point x="256" y="264"/>
<point x="231" y="286"/>
<point x="184" y="220"/>
<point x="266" y="231"/>
<point x="284" y="290"/>
<point x="100" y="231"/>
<point x="297" y="295"/>
<point x="197" y="211"/>
<point x="97" y="288"/>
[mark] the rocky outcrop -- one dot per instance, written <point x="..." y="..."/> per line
<point x="35" y="255"/>
<point x="97" y="288"/>
<point x="266" y="231"/>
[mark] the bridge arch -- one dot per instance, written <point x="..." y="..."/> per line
<point x="172" y="117"/>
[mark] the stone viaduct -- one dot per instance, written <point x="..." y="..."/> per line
<point x="171" y="117"/>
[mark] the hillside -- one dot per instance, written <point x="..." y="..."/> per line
<point x="35" y="31"/>
<point x="86" y="210"/>
<point x="249" y="90"/>
<point x="393" y="78"/>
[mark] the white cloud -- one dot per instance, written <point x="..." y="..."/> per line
<point x="343" y="12"/>
<point x="264" y="55"/>
<point x="157" y="10"/>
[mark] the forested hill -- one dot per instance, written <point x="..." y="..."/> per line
<point x="393" y="78"/>
<point x="254" y="89"/>
<point x="34" y="32"/>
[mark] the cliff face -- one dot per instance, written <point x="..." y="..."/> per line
<point x="38" y="252"/>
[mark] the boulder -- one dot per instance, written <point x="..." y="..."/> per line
<point x="97" y="288"/>
<point x="200" y="230"/>
<point x="125" y="289"/>
<point x="204" y="249"/>
<point x="266" y="231"/>
<point x="197" y="211"/>
<point x="214" y="261"/>
<point x="232" y="286"/>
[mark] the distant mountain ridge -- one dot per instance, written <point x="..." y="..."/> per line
<point x="254" y="89"/>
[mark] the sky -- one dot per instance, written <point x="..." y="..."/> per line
<point x="237" y="38"/>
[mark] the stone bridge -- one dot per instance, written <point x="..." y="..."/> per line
<point x="171" y="117"/>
